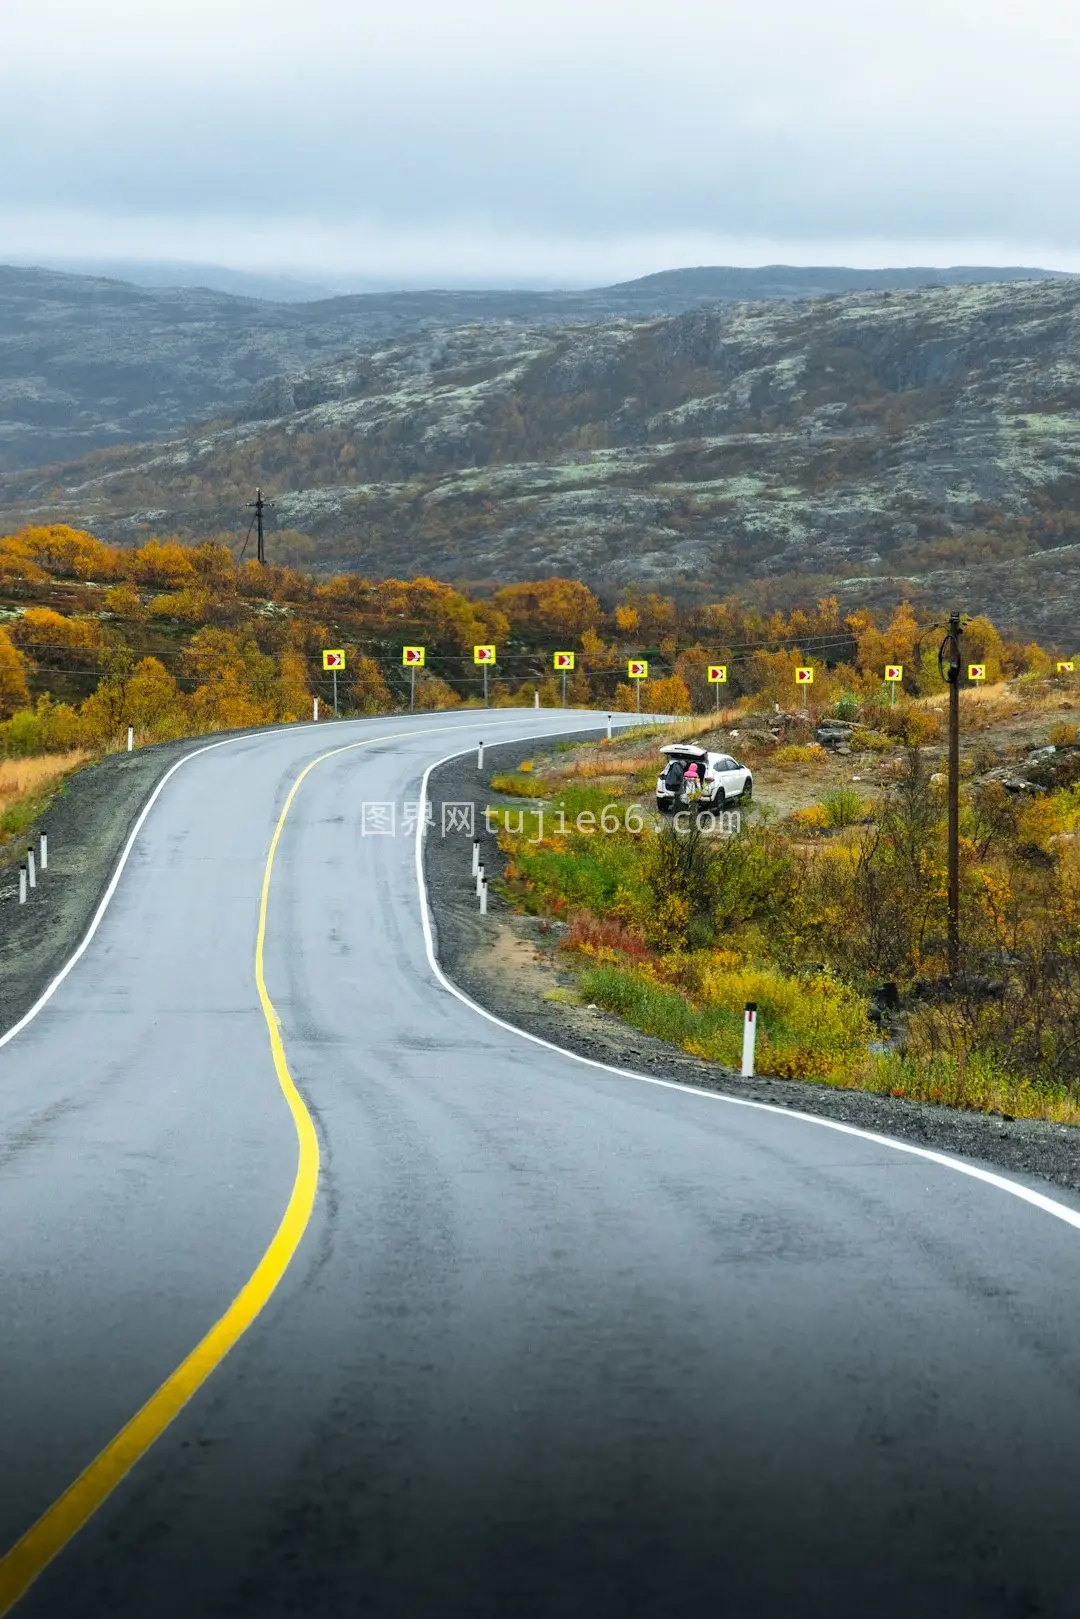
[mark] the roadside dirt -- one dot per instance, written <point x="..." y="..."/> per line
<point x="510" y="965"/>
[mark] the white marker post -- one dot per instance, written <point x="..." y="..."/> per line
<point x="536" y="697"/>
<point x="479" y="756"/>
<point x="131" y="737"/>
<point x="31" y="868"/>
<point x="749" y="1038"/>
<point x="315" y="709"/>
<point x="22" y="885"/>
<point x="44" y="852"/>
<point x="483" y="900"/>
<point x="479" y="880"/>
<point x="609" y="727"/>
<point x="475" y="856"/>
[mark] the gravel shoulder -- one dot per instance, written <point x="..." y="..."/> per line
<point x="509" y="964"/>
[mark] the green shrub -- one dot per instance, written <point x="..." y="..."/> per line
<point x="21" y="734"/>
<point x="843" y="807"/>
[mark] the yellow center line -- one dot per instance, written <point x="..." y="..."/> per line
<point x="32" y="1554"/>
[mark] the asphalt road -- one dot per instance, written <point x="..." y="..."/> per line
<point x="555" y="1341"/>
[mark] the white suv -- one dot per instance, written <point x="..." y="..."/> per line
<point x="723" y="781"/>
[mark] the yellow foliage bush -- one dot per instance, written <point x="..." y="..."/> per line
<point x="811" y="819"/>
<point x="800" y="753"/>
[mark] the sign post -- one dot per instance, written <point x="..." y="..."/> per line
<point x="484" y="655"/>
<point x="563" y="661"/>
<point x="333" y="659"/>
<point x="412" y="658"/>
<point x="805" y="679"/>
<point x="638" y="670"/>
<point x="717" y="678"/>
<point x="894" y="674"/>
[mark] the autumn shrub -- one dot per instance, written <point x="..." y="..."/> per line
<point x="604" y="938"/>
<point x="913" y="725"/>
<point x="516" y="785"/>
<point x="874" y="909"/>
<point x="368" y="692"/>
<point x="432" y="693"/>
<point x="751" y="878"/>
<point x="800" y="753"/>
<point x="969" y="1078"/>
<point x="192" y="605"/>
<point x="124" y="600"/>
<point x="863" y="740"/>
<point x="56" y="638"/>
<point x="14" y="690"/>
<point x="811" y="1026"/>
<point x="669" y="695"/>
<point x="811" y="818"/>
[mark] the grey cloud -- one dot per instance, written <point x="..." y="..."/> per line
<point x="592" y="120"/>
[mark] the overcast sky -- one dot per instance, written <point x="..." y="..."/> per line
<point x="539" y="141"/>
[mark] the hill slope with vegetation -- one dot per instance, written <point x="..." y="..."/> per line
<point x="88" y="361"/>
<point x="849" y="441"/>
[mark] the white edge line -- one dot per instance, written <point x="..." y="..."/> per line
<point x="1038" y="1200"/>
<point x="103" y="904"/>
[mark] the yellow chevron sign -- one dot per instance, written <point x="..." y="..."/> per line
<point x="563" y="660"/>
<point x="413" y="656"/>
<point x="483" y="654"/>
<point x="333" y="658"/>
<point x="638" y="669"/>
<point x="717" y="674"/>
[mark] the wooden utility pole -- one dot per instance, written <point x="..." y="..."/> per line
<point x="950" y="662"/>
<point x="258" y="505"/>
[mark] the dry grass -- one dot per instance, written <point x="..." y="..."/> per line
<point x="685" y="728"/>
<point x="975" y="695"/>
<point x="29" y="778"/>
<point x="628" y="765"/>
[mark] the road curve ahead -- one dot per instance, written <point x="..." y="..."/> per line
<point x="553" y="1342"/>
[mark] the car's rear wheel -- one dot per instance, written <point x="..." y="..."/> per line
<point x="748" y="791"/>
<point x="719" y="799"/>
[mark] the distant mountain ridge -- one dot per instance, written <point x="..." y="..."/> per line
<point x="710" y="282"/>
<point x="87" y="362"/>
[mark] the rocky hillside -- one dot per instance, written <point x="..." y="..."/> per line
<point x="851" y="439"/>
<point x="87" y="362"/>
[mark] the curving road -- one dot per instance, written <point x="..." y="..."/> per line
<point x="554" y="1341"/>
